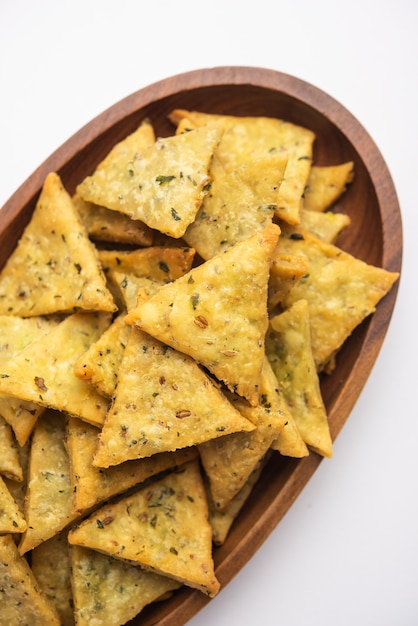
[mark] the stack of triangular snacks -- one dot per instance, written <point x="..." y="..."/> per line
<point x="162" y="333"/>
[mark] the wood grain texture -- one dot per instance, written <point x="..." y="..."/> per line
<point x="375" y="235"/>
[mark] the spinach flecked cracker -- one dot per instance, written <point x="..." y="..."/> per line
<point x="54" y="267"/>
<point x="163" y="187"/>
<point x="217" y="312"/>
<point x="162" y="527"/>
<point x="22" y="601"/>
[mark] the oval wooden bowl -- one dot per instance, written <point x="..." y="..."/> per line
<point x="375" y="235"/>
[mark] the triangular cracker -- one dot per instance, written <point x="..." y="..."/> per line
<point x="247" y="138"/>
<point x="17" y="488"/>
<point x="323" y="224"/>
<point x="164" y="187"/>
<point x="15" y="334"/>
<point x="105" y="588"/>
<point x="162" y="527"/>
<point x="104" y="225"/>
<point x="230" y="460"/>
<point x="43" y="372"/>
<point x="91" y="485"/>
<point x="341" y="291"/>
<point x="11" y="518"/>
<point x="288" y="348"/>
<point x="22" y="600"/>
<point x="326" y="184"/>
<point x="217" y="312"/>
<point x="163" y="401"/>
<point x="239" y="203"/>
<point x="48" y="499"/>
<point x="100" y="363"/>
<point x="54" y="267"/>
<point x="50" y="563"/>
<point x="9" y="453"/>
<point x="221" y="521"/>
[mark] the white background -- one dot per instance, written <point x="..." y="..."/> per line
<point x="347" y="551"/>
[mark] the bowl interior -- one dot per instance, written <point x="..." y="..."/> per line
<point x="374" y="236"/>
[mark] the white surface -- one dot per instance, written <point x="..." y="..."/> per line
<point x="347" y="551"/>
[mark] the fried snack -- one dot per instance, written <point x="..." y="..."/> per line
<point x="285" y="271"/>
<point x="17" y="488"/>
<point x="61" y="269"/>
<point x="161" y="264"/>
<point x="248" y="138"/>
<point x="229" y="461"/>
<point x="9" y="454"/>
<point x="48" y="499"/>
<point x="341" y="291"/>
<point x="326" y="184"/>
<point x="91" y="485"/>
<point x="240" y="202"/>
<point x="22" y="600"/>
<point x="50" y="563"/>
<point x="326" y="225"/>
<point x="43" y="372"/>
<point x="217" y="313"/>
<point x="104" y="225"/>
<point x="163" y="402"/>
<point x="15" y="334"/>
<point x="11" y="518"/>
<point x="222" y="521"/>
<point x="110" y="592"/>
<point x="163" y="187"/>
<point x="288" y="348"/>
<point x="163" y="528"/>
<point x="99" y="365"/>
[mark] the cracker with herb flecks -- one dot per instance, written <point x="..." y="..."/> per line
<point x="239" y="203"/>
<point x="54" y="267"/>
<point x="11" y="518"/>
<point x="290" y="442"/>
<point x="162" y="527"/>
<point x="160" y="264"/>
<point x="323" y="224"/>
<point x="17" y="488"/>
<point x="100" y="363"/>
<point x="217" y="313"/>
<point x="104" y="225"/>
<point x="326" y="184"/>
<point x="9" y="453"/>
<point x="15" y="334"/>
<point x="222" y="521"/>
<point x="341" y="291"/>
<point x="230" y="460"/>
<point x="22" y="600"/>
<point x="108" y="591"/>
<point x="288" y="348"/>
<point x="163" y="402"/>
<point x="133" y="287"/>
<point x="164" y="187"/>
<point x="48" y="499"/>
<point x="285" y="271"/>
<point x="91" y="485"/>
<point x="43" y="372"/>
<point x="247" y="138"/>
<point x="50" y="563"/>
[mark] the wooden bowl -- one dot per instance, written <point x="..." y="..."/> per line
<point x="375" y="235"/>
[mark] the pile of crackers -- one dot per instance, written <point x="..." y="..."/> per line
<point x="162" y="333"/>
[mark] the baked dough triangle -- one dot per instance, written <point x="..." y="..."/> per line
<point x="217" y="312"/>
